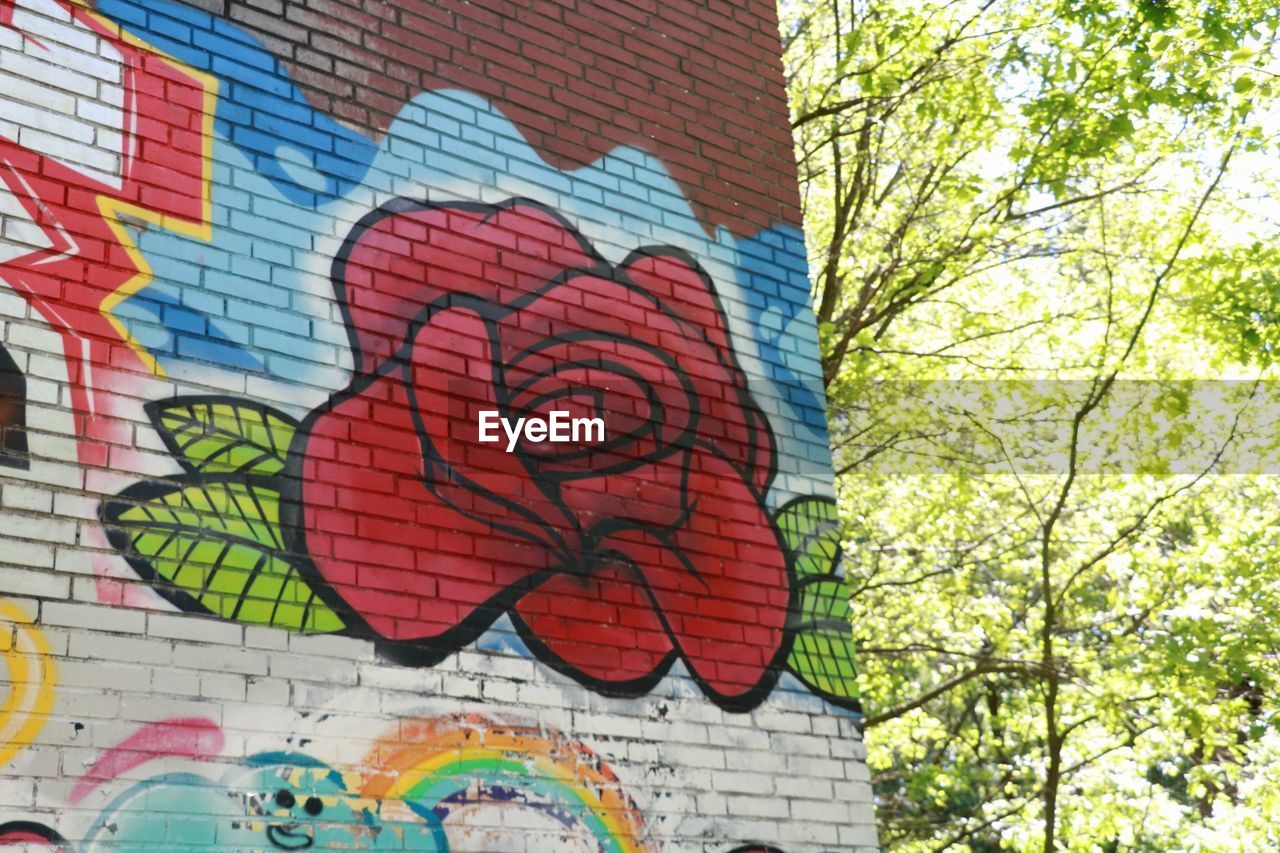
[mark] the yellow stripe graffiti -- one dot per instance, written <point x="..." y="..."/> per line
<point x="27" y="680"/>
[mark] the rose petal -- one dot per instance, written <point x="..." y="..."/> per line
<point x="453" y="383"/>
<point x="673" y="279"/>
<point x="601" y="626"/>
<point x="409" y="565"/>
<point x="686" y="292"/>
<point x="406" y="255"/>
<point x="639" y="394"/>
<point x="727" y="418"/>
<point x="719" y="580"/>
<point x="652" y="495"/>
<point x="715" y="584"/>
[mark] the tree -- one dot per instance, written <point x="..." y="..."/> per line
<point x="1013" y="211"/>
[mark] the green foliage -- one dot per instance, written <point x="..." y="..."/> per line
<point x="1064" y="595"/>
<point x="951" y="141"/>
<point x="1236" y="302"/>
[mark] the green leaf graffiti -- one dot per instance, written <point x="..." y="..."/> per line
<point x="824" y="650"/>
<point x="211" y="541"/>
<point x="812" y="534"/>
<point x="216" y="546"/>
<point x="823" y="654"/>
<point x="211" y="435"/>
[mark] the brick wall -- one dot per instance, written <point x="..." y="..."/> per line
<point x="263" y="264"/>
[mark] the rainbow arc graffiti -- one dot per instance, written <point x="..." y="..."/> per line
<point x="454" y="762"/>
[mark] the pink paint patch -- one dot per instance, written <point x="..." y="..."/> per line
<point x="183" y="737"/>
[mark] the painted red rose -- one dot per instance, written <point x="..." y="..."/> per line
<point x="613" y="558"/>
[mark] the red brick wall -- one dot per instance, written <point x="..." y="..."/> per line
<point x="698" y="84"/>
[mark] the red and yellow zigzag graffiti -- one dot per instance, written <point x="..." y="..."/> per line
<point x="91" y="262"/>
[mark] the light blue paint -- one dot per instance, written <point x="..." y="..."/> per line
<point x="185" y="811"/>
<point x="168" y="329"/>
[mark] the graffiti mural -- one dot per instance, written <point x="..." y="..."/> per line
<point x="187" y="737"/>
<point x="606" y="558"/>
<point x="27" y="680"/>
<point x="231" y="538"/>
<point x="426" y="786"/>
<point x="30" y="835"/>
<point x="460" y="766"/>
<point x="272" y="801"/>
<point x="250" y="326"/>
<point x="380" y="514"/>
<point x="130" y="150"/>
<point x="85" y="196"/>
